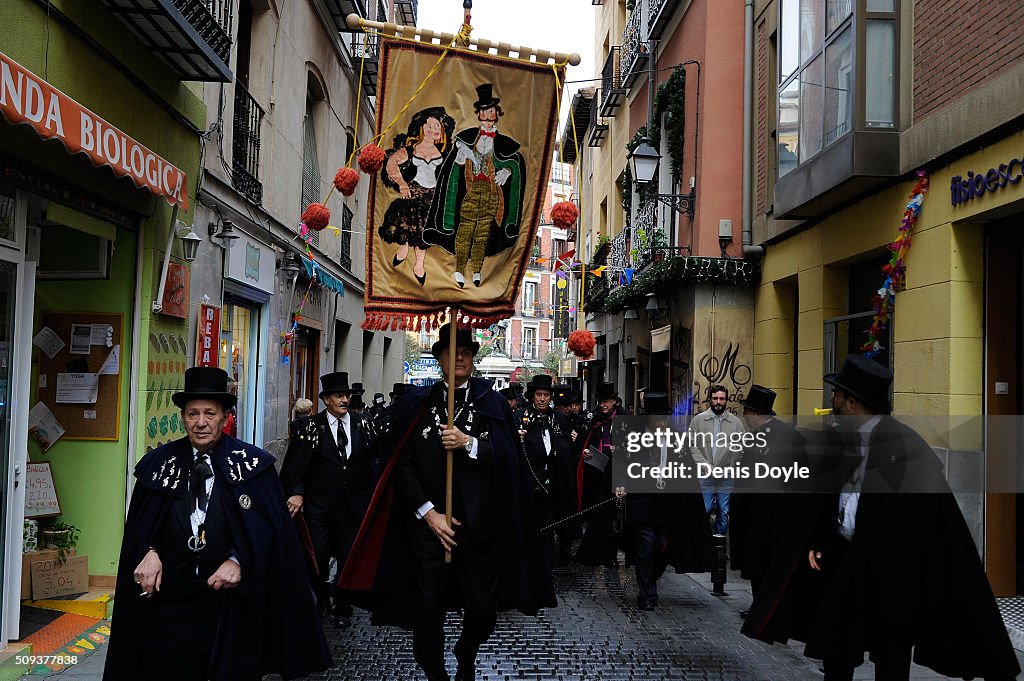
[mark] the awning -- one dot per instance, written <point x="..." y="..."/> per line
<point x="326" y="279"/>
<point x="27" y="98"/>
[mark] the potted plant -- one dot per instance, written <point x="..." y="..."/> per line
<point x="61" y="536"/>
<point x="658" y="243"/>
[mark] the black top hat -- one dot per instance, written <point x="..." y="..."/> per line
<point x="378" y="398"/>
<point x="865" y="379"/>
<point x="760" y="399"/>
<point x="561" y="394"/>
<point x="576" y="397"/>
<point x="485" y="98"/>
<point x="205" y="383"/>
<point x="606" y="391"/>
<point x="398" y="389"/>
<point x="334" y="383"/>
<point x="357" y="389"/>
<point x="509" y="393"/>
<point x="463" y="338"/>
<point x="538" y="382"/>
<point x="656" y="404"/>
<point x="356" y="401"/>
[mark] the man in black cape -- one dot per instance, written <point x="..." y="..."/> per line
<point x="327" y="476"/>
<point x="764" y="510"/>
<point x="211" y="582"/>
<point x="548" y="446"/>
<point x="597" y="436"/>
<point x="900" y="574"/>
<point x="477" y="209"/>
<point x="656" y="522"/>
<point x="397" y="561"/>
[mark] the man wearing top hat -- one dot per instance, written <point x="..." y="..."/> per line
<point x="511" y="395"/>
<point x="478" y="204"/>
<point x="764" y="510"/>
<point x="327" y="476"/>
<point x="598" y="436"/>
<point x="496" y="560"/>
<point x="548" y="446"/>
<point x="377" y="409"/>
<point x="211" y="566"/>
<point x="900" y="574"/>
<point x="355" y="402"/>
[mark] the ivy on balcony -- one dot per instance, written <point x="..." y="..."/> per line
<point x="668" y="274"/>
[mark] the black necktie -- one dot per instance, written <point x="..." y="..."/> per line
<point x="460" y="395"/>
<point x="201" y="472"/>
<point x="342" y="439"/>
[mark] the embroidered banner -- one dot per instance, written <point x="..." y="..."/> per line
<point x="454" y="210"/>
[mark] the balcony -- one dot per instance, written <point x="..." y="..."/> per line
<point x="612" y="91"/>
<point x="660" y="15"/>
<point x="245" y="147"/>
<point x="618" y="259"/>
<point x="646" y="224"/>
<point x="406" y="12"/>
<point x="598" y="125"/>
<point x="192" y="36"/>
<point x="596" y="287"/>
<point x="365" y="53"/>
<point x="633" y="56"/>
<point x="340" y="9"/>
<point x="576" y="126"/>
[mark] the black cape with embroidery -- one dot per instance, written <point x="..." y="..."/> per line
<point x="269" y="622"/>
<point x="910" y="576"/>
<point x="378" y="571"/>
<point x="678" y="508"/>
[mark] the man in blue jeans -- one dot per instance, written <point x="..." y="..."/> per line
<point x="710" y="430"/>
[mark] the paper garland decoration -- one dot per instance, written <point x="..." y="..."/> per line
<point x="884" y="301"/>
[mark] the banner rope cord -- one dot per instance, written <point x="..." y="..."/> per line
<point x="577" y="515"/>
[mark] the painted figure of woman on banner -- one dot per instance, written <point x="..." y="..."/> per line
<point x="411" y="169"/>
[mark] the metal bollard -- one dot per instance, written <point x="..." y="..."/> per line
<point x="718" y="574"/>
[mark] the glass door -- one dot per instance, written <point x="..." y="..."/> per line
<point x="238" y="349"/>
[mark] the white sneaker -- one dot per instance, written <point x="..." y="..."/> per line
<point x="460" y="280"/>
<point x="476" y="279"/>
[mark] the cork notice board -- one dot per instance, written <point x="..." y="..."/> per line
<point x="99" y="421"/>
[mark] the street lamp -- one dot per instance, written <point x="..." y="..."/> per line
<point x="643" y="162"/>
<point x="190" y="245"/>
<point x="226" y="235"/>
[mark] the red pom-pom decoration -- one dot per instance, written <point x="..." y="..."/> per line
<point x="564" y="214"/>
<point x="582" y="343"/>
<point x="371" y="158"/>
<point x="316" y="216"/>
<point x="345" y="181"/>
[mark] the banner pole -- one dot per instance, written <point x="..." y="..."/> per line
<point x="449" y="463"/>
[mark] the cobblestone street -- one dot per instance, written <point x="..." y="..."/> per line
<point x="597" y="632"/>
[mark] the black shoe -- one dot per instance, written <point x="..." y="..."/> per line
<point x="743" y="614"/>
<point x="645" y="605"/>
<point x="422" y="280"/>
<point x="466" y="672"/>
<point x="395" y="262"/>
<point x="342" y="621"/>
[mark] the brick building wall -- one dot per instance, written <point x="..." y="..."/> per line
<point x="959" y="44"/>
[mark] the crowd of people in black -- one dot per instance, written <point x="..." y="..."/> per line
<point x="363" y="516"/>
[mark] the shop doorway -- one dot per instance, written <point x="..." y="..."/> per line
<point x="1004" y="377"/>
<point x="239" y="349"/>
<point x="306" y="367"/>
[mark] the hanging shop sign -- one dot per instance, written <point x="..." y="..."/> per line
<point x="207" y="334"/>
<point x="27" y="98"/>
<point x="251" y="262"/>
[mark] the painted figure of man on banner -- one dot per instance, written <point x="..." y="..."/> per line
<point x="477" y="210"/>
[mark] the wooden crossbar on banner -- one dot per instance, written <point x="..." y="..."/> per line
<point x="424" y="35"/>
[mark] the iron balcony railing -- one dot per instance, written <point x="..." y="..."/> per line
<point x="598" y="126"/>
<point x="612" y="91"/>
<point x="634" y="44"/>
<point x="406" y="11"/>
<point x="660" y="15"/>
<point x="245" y="162"/>
<point x="212" y="21"/>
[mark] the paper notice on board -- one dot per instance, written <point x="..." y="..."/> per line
<point x="43" y="426"/>
<point x="102" y="334"/>
<point x="112" y="364"/>
<point x="48" y="341"/>
<point x="77" y="388"/>
<point x="81" y="339"/>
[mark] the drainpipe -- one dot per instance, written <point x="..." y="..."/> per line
<point x="749" y="250"/>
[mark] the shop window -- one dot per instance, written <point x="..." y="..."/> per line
<point x="73" y="254"/>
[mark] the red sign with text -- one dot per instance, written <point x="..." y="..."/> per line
<point x="207" y="335"/>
